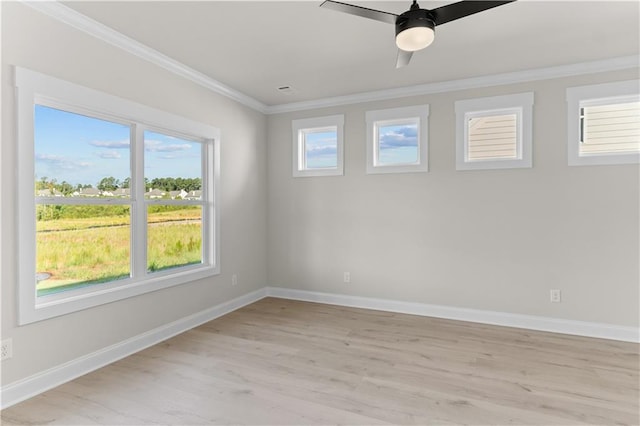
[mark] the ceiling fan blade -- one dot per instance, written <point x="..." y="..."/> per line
<point x="365" y="12"/>
<point x="458" y="10"/>
<point x="403" y="58"/>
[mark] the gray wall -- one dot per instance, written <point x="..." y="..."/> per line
<point x="32" y="40"/>
<point x="493" y="240"/>
<point x="496" y="240"/>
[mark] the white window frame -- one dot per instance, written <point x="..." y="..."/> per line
<point x="520" y="104"/>
<point x="36" y="88"/>
<point x="300" y="127"/>
<point x="592" y="95"/>
<point x="418" y="114"/>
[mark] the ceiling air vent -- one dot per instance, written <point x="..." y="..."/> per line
<point x="286" y="90"/>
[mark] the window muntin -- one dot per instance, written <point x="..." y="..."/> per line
<point x="318" y="146"/>
<point x="397" y="140"/>
<point x="113" y="266"/>
<point x="494" y="132"/>
<point x="604" y="124"/>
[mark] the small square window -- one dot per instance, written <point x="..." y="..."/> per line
<point x="397" y="140"/>
<point x="317" y="146"/>
<point x="604" y="124"/>
<point x="494" y="133"/>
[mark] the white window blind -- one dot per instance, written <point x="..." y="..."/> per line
<point x="493" y="137"/>
<point x="603" y="124"/>
<point x="610" y="128"/>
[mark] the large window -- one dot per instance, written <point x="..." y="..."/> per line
<point x="495" y="132"/>
<point x="397" y="140"/>
<point x="604" y="123"/>
<point x="115" y="199"/>
<point x="318" y="146"/>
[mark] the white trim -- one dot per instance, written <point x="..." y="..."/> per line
<point x="34" y="87"/>
<point x="31" y="386"/>
<point x="605" y="65"/>
<point x="575" y="97"/>
<point x="418" y="114"/>
<point x="83" y="23"/>
<point x="94" y="28"/>
<point x="531" y="322"/>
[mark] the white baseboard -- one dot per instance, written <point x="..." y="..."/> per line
<point x="531" y="322"/>
<point x="48" y="379"/>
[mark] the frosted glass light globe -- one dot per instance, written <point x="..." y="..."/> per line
<point x="415" y="38"/>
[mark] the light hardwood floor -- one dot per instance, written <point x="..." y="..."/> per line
<point x="285" y="362"/>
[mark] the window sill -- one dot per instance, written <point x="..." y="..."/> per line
<point x="62" y="303"/>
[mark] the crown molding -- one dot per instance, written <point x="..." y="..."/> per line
<point x="94" y="28"/>
<point x="83" y="23"/>
<point x="613" y="64"/>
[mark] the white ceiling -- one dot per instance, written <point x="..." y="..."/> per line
<point x="255" y="47"/>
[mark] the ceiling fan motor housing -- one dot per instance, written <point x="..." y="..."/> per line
<point x="415" y="29"/>
<point x="414" y="18"/>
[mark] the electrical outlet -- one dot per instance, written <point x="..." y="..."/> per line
<point x="347" y="277"/>
<point x="234" y="279"/>
<point x="555" y="296"/>
<point x="6" y="350"/>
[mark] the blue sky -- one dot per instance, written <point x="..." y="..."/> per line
<point x="398" y="144"/>
<point x="321" y="149"/>
<point x="83" y="150"/>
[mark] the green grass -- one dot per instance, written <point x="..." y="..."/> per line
<point x="86" y="251"/>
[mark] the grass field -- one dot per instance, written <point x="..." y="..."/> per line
<point x="74" y="253"/>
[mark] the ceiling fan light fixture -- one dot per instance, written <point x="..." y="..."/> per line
<point x="414" y="30"/>
<point x="416" y="38"/>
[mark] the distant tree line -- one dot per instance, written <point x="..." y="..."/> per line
<point x="111" y="184"/>
<point x="57" y="211"/>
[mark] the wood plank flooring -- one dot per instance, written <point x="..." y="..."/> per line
<point x="281" y="362"/>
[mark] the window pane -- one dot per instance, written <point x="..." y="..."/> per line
<point x="611" y="128"/>
<point x="172" y="167"/>
<point x="397" y="144"/>
<point x="77" y="246"/>
<point x="79" y="155"/>
<point x="174" y="236"/>
<point x="320" y="148"/>
<point x="493" y="137"/>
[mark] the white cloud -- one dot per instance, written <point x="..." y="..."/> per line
<point x="159" y="146"/>
<point x="61" y="162"/>
<point x="109" y="155"/>
<point x="123" y="144"/>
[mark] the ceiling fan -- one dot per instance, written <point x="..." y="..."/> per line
<point x="415" y="28"/>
